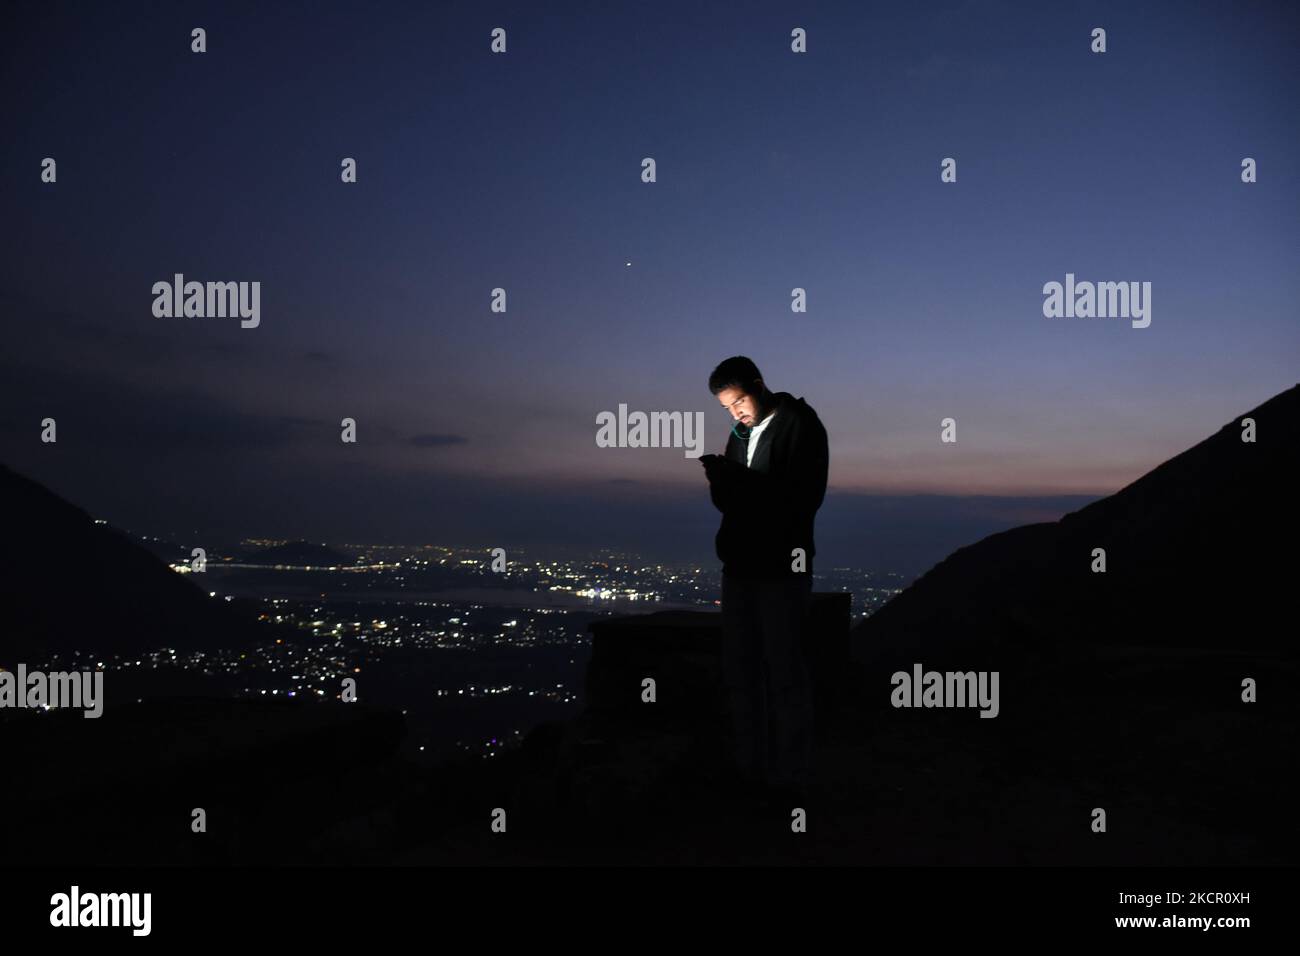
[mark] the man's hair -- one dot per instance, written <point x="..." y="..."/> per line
<point x="736" y="372"/>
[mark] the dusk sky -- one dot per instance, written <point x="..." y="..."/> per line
<point x="522" y="170"/>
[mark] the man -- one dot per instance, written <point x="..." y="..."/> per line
<point x="768" y="485"/>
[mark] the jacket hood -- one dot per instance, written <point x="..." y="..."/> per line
<point x="786" y="401"/>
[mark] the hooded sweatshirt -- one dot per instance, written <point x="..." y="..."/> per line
<point x="769" y="506"/>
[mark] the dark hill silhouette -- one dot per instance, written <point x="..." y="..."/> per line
<point x="1200" y="552"/>
<point x="265" y="772"/>
<point x="70" y="584"/>
<point x="300" y="554"/>
<point x="1119" y="691"/>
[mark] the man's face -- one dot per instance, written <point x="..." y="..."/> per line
<point x="743" y="406"/>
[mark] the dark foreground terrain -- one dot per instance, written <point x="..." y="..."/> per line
<point x="1119" y="690"/>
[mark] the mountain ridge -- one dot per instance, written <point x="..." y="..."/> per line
<point x="1154" y="531"/>
<point x="118" y="598"/>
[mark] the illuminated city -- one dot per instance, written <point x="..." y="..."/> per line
<point x="474" y="657"/>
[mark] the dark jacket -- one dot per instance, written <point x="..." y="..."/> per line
<point x="768" y="508"/>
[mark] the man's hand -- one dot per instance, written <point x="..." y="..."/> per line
<point x="718" y="468"/>
<point x="724" y="476"/>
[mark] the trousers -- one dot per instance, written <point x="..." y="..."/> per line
<point x="766" y="678"/>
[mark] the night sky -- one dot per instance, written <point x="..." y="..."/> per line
<point x="775" y="170"/>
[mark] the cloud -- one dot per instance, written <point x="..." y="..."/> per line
<point x="100" y="415"/>
<point x="435" y="441"/>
